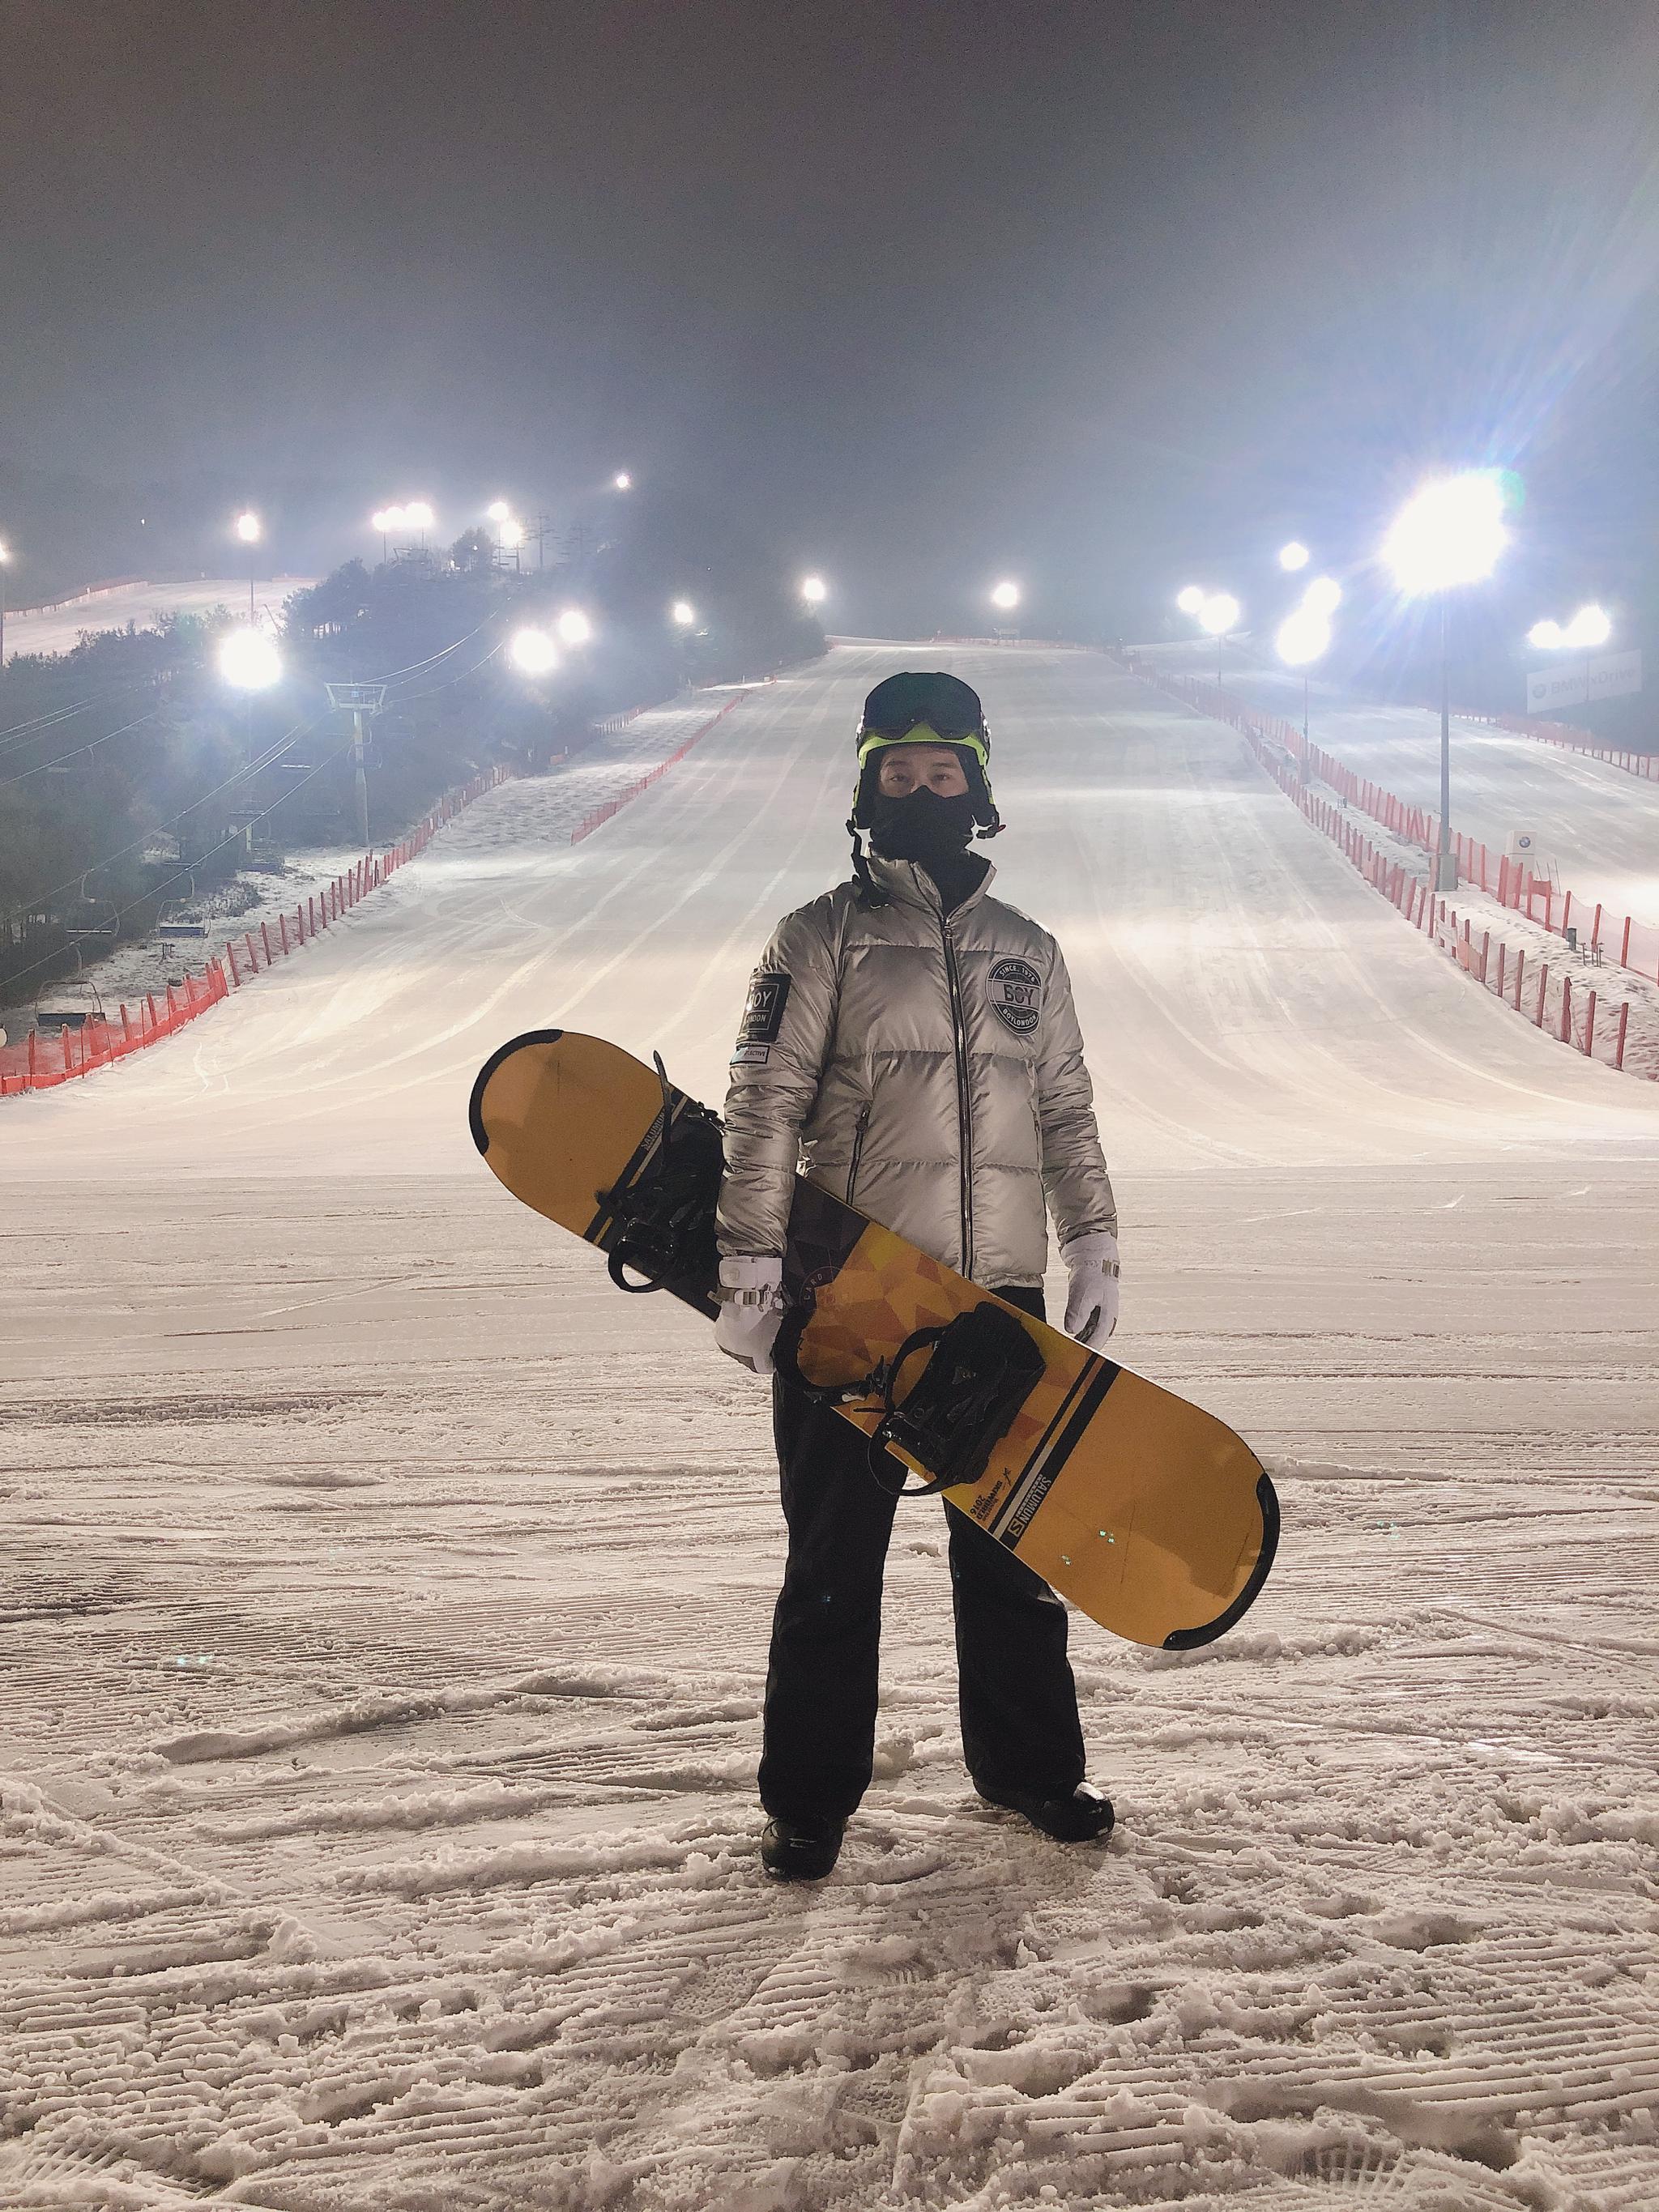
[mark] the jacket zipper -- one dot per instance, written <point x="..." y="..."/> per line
<point x="964" y="1109"/>
<point x="859" y="1128"/>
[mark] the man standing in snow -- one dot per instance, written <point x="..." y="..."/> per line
<point x="911" y="1044"/>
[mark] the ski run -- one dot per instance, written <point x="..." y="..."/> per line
<point x="386" y="1600"/>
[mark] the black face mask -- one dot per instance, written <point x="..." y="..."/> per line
<point x="921" y="826"/>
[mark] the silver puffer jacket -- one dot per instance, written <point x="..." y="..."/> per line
<point x="929" y="1070"/>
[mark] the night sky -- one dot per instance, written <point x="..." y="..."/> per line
<point x="1086" y="293"/>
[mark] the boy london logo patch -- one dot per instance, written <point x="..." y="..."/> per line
<point x="763" y="1017"/>
<point x="1017" y="995"/>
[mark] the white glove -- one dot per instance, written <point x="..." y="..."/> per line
<point x="751" y="1308"/>
<point x="1092" y="1302"/>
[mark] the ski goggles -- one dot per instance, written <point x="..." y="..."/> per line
<point x="976" y="741"/>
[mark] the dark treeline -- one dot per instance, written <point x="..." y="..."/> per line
<point x="130" y="775"/>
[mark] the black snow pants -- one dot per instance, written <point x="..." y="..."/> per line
<point x="1020" y="1731"/>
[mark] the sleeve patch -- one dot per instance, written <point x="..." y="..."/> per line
<point x="763" y="1015"/>
<point x="750" y="1055"/>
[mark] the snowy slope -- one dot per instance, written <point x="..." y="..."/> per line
<point x="387" y="1600"/>
<point x="1598" y="824"/>
<point x="58" y="629"/>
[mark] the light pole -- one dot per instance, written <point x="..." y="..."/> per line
<point x="1218" y="614"/>
<point x="1451" y="532"/>
<point x="250" y="531"/>
<point x="1301" y="638"/>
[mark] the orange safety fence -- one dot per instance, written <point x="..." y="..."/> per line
<point x="1619" y="938"/>
<point x="589" y="823"/>
<point x="1570" y="740"/>
<point x="1551" y="1004"/>
<point x="40" y="1062"/>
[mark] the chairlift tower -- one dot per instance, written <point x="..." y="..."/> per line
<point x="362" y="701"/>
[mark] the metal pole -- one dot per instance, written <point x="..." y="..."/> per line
<point x="359" y="779"/>
<point x="1446" y="870"/>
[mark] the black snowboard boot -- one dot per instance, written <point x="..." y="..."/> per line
<point x="1082" y="1817"/>
<point x="801" y="1851"/>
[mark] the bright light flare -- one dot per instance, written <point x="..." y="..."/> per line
<point x="684" y="613"/>
<point x="1191" y="599"/>
<point x="512" y="533"/>
<point x="814" y="590"/>
<point x="1219" y="613"/>
<point x="417" y="515"/>
<point x="1302" y="637"/>
<point x="1323" y="595"/>
<point x="386" y="519"/>
<point x="248" y="661"/>
<point x="1546" y="635"/>
<point x="575" y="628"/>
<point x="1451" y="532"/>
<point x="1589" y="627"/>
<point x="1294" y="556"/>
<point x="623" y="481"/>
<point x="1006" y="596"/>
<point x="497" y="511"/>
<point x="5" y="550"/>
<point x="249" y="528"/>
<point x="533" y="652"/>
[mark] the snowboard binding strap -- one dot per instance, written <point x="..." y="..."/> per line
<point x="980" y="1369"/>
<point x="662" y="1223"/>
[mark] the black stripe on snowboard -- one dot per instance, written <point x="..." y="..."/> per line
<point x="1083" y="1401"/>
<point x="475" y="1104"/>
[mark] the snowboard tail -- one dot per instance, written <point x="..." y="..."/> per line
<point x="1145" y="1511"/>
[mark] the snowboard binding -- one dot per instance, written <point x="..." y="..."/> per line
<point x="980" y="1369"/>
<point x="662" y="1224"/>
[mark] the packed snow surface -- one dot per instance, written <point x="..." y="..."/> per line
<point x="386" y="1599"/>
<point x="59" y="628"/>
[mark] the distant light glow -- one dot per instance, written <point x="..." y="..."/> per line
<point x="1294" y="556"/>
<point x="1191" y="599"/>
<point x="497" y="511"/>
<point x="511" y="533"/>
<point x="573" y="627"/>
<point x="248" y="528"/>
<point x="1302" y="637"/>
<point x="417" y="515"/>
<point x="248" y="660"/>
<point x="684" y="613"/>
<point x="1323" y="595"/>
<point x="5" y="550"/>
<point x="1219" y="613"/>
<point x="533" y="652"/>
<point x="814" y="590"/>
<point x="1451" y="532"/>
<point x="1006" y="596"/>
<point x="386" y="519"/>
<point x="1546" y="635"/>
<point x="1589" y="627"/>
<point x="623" y="481"/>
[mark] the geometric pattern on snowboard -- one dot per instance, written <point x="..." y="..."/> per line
<point x="1146" y="1512"/>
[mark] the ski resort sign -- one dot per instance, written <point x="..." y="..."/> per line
<point x="1601" y="676"/>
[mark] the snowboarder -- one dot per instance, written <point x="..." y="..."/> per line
<point x="911" y="1044"/>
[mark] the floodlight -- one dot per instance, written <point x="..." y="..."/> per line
<point x="1546" y="635"/>
<point x="623" y="481"/>
<point x="575" y="628"/>
<point x="684" y="613"/>
<point x="418" y="515"/>
<point x="248" y="528"/>
<point x="387" y="519"/>
<point x="1191" y="599"/>
<point x="1452" y="532"/>
<point x="1589" y="627"/>
<point x="1006" y="596"/>
<point x="497" y="511"/>
<point x="533" y="652"/>
<point x="814" y="590"/>
<point x="1219" y="613"/>
<point x="1293" y="555"/>
<point x="1302" y="637"/>
<point x="248" y="660"/>
<point x="1323" y="595"/>
<point x="512" y="533"/>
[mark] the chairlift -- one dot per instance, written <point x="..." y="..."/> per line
<point x="90" y="919"/>
<point x="182" y="917"/>
<point x="69" y="1003"/>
